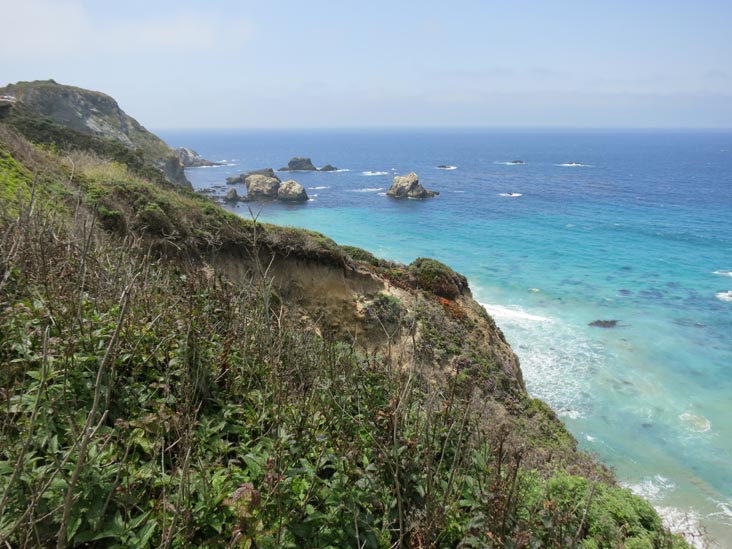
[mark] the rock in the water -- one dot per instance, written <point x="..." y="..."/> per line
<point x="262" y="187"/>
<point x="268" y="172"/>
<point x="328" y="168"/>
<point x="299" y="164"/>
<point x="191" y="159"/>
<point x="292" y="191"/>
<point x="408" y="186"/>
<point x="604" y="323"/>
<point x="232" y="196"/>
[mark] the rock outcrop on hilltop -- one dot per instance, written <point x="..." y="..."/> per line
<point x="292" y="191"/>
<point x="191" y="159"/>
<point x="408" y="186"/>
<point x="97" y="114"/>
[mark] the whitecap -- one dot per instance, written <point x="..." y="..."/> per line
<point x="534" y="290"/>
<point x="367" y="190"/>
<point x="320" y="188"/>
<point x="723" y="273"/>
<point x="696" y="422"/>
<point x="574" y="165"/>
<point x="500" y="311"/>
<point x="651" y="488"/>
<point x="724" y="296"/>
<point x="510" y="163"/>
<point x="725" y="509"/>
<point x="590" y="438"/>
<point x="374" y="173"/>
<point x="382" y="194"/>
<point x="570" y="414"/>
<point x="341" y="170"/>
<point x="446" y="167"/>
<point x="510" y="195"/>
<point x="458" y="192"/>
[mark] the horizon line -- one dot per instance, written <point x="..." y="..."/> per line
<point x="716" y="129"/>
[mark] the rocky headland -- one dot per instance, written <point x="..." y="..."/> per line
<point x="45" y="102"/>
<point x="191" y="159"/>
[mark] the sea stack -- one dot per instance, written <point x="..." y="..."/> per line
<point x="408" y="186"/>
<point x="261" y="187"/>
<point x="292" y="191"/>
<point x="299" y="164"/>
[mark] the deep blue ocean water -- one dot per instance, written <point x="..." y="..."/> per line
<point x="640" y="232"/>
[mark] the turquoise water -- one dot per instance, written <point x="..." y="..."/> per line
<point x="640" y="233"/>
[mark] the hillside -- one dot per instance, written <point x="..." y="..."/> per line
<point x="45" y="103"/>
<point x="174" y="375"/>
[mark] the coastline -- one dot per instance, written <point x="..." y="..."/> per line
<point x="671" y="322"/>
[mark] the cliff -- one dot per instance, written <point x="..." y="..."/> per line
<point x="95" y="114"/>
<point x="177" y="375"/>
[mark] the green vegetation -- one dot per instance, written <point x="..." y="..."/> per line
<point x="438" y="278"/>
<point x="148" y="400"/>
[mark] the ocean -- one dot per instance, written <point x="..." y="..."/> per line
<point x="633" y="227"/>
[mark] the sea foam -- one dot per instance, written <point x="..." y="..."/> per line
<point x="500" y="311"/>
<point x="367" y="190"/>
<point x="724" y="296"/>
<point x="696" y="422"/>
<point x="723" y="273"/>
<point x="367" y="173"/>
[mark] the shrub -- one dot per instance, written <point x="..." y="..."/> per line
<point x="438" y="278"/>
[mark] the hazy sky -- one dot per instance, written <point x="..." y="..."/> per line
<point x="270" y="63"/>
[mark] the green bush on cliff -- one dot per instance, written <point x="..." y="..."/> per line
<point x="438" y="278"/>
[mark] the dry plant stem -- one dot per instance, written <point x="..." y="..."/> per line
<point x="458" y="451"/>
<point x="395" y="450"/>
<point x="584" y="516"/>
<point x="88" y="432"/>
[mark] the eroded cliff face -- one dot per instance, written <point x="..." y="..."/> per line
<point x="382" y="311"/>
<point x="95" y="113"/>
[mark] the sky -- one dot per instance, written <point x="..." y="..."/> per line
<point x="409" y="63"/>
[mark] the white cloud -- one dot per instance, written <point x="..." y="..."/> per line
<point x="56" y="28"/>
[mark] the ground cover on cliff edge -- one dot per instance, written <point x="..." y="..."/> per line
<point x="147" y="400"/>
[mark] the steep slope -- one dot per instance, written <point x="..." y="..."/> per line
<point x="176" y="375"/>
<point x="96" y="114"/>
